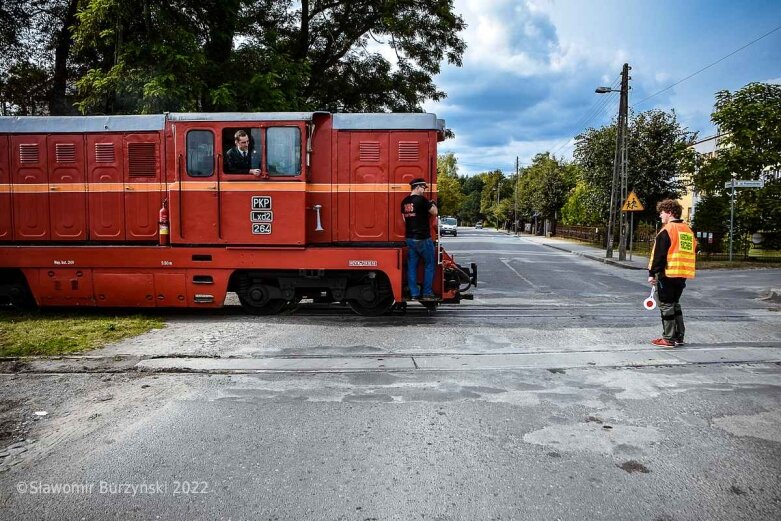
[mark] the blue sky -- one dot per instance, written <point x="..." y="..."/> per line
<point x="531" y="67"/>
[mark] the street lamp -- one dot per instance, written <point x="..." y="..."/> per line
<point x="619" y="165"/>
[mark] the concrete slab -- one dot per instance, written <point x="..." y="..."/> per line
<point x="246" y="365"/>
<point x="727" y="355"/>
<point x="467" y="362"/>
<point x="548" y="360"/>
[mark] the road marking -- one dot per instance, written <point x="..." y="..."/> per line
<point x="506" y="262"/>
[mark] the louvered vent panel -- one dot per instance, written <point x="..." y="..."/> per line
<point x="65" y="152"/>
<point x="409" y="151"/>
<point x="104" y="152"/>
<point x="141" y="159"/>
<point x="370" y="151"/>
<point x="28" y="154"/>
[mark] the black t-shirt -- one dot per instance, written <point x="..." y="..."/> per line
<point x="415" y="209"/>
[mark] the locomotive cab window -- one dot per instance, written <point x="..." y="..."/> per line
<point x="200" y="153"/>
<point x="241" y="150"/>
<point x="283" y="151"/>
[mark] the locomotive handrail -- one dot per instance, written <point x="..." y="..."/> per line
<point x="219" y="197"/>
<point x="181" y="201"/>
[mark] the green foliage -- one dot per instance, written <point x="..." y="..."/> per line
<point x="469" y="210"/>
<point x="450" y="197"/>
<point x="24" y="87"/>
<point x="659" y="161"/>
<point x="142" y="56"/>
<point x="711" y="214"/>
<point x="545" y="186"/>
<point x="750" y="123"/>
<point x="580" y="207"/>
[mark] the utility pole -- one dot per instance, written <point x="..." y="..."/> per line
<point x="624" y="107"/>
<point x="515" y="196"/>
<point x="619" y="167"/>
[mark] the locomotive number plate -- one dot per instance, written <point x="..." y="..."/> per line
<point x="261" y="228"/>
<point x="261" y="202"/>
<point x="260" y="216"/>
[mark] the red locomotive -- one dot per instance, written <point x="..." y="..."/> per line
<point x="176" y="210"/>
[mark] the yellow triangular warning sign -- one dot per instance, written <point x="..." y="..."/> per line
<point x="632" y="204"/>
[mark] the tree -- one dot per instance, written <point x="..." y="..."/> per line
<point x="493" y="184"/>
<point x="660" y="160"/>
<point x="545" y="186"/>
<point x="450" y="197"/>
<point x="472" y="188"/>
<point x="580" y="207"/>
<point x="292" y="56"/>
<point x="749" y="122"/>
<point x="35" y="37"/>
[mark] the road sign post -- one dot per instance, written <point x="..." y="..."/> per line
<point x="738" y="183"/>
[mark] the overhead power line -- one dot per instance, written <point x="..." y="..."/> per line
<point x="752" y="42"/>
<point x="593" y="111"/>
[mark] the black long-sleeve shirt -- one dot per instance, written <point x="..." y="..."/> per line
<point x="661" y="248"/>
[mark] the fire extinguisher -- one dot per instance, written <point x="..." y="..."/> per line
<point x="165" y="238"/>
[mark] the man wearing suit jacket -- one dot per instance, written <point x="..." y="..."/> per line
<point x="240" y="159"/>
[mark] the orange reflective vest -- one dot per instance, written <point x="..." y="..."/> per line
<point x="682" y="252"/>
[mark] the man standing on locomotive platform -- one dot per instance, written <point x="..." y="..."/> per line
<point x="417" y="211"/>
<point x="671" y="263"/>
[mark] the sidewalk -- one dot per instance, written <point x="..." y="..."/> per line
<point x="638" y="262"/>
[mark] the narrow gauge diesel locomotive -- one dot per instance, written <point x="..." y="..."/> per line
<point x="150" y="211"/>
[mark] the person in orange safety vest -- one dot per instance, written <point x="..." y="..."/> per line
<point x="671" y="263"/>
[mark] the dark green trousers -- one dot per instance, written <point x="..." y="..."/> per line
<point x="669" y="291"/>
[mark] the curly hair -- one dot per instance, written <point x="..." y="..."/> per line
<point x="670" y="206"/>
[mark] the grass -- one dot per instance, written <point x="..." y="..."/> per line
<point x="42" y="333"/>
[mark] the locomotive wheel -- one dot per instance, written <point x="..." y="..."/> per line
<point x="256" y="300"/>
<point x="375" y="299"/>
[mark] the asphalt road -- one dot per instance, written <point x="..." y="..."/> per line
<point x="541" y="399"/>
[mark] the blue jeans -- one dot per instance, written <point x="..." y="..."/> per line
<point x="420" y="249"/>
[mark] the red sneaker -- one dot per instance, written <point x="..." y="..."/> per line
<point x="661" y="342"/>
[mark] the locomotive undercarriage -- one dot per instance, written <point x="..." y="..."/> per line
<point x="267" y="292"/>
<point x="14" y="290"/>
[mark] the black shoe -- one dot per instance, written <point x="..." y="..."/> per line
<point x="678" y="342"/>
<point x="428" y="298"/>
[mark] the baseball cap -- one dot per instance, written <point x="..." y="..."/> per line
<point x="417" y="182"/>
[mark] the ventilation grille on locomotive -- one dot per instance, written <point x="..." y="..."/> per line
<point x="409" y="151"/>
<point x="28" y="153"/>
<point x="65" y="152"/>
<point x="142" y="159"/>
<point x="104" y="153"/>
<point x="370" y="151"/>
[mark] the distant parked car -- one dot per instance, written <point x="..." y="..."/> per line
<point x="479" y="226"/>
<point x="449" y="226"/>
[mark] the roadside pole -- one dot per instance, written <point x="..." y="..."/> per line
<point x="731" y="215"/>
